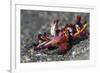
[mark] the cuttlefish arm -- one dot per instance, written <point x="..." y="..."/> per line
<point x="53" y="41"/>
<point x="41" y="44"/>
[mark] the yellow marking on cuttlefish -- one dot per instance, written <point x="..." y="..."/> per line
<point x="78" y="32"/>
